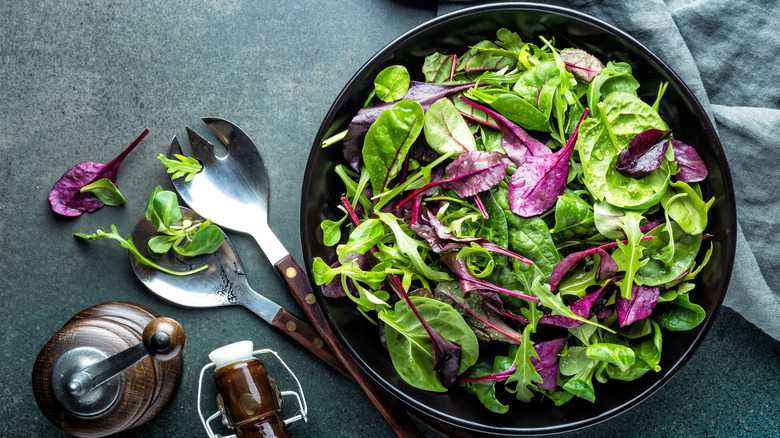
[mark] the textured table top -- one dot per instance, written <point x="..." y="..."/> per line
<point x="80" y="80"/>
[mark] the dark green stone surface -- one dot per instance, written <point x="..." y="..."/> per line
<point x="79" y="80"/>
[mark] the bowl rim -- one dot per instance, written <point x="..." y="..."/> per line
<point x="708" y="129"/>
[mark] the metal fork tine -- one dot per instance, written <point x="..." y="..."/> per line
<point x="230" y="134"/>
<point x="201" y="148"/>
<point x="174" y="148"/>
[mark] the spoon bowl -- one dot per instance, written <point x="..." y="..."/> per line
<point x="222" y="283"/>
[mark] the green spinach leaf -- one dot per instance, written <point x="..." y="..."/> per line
<point x="388" y="141"/>
<point x="410" y="346"/>
<point x="446" y="130"/>
<point x="392" y="83"/>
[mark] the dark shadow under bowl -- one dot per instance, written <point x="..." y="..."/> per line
<point x="452" y="33"/>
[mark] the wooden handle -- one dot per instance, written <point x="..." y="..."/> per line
<point x="163" y="338"/>
<point x="388" y="406"/>
<point x="306" y="336"/>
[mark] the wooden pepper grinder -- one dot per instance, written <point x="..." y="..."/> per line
<point x="111" y="367"/>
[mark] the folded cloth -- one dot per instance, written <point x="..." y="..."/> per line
<point x="724" y="50"/>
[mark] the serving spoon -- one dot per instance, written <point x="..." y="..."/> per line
<point x="223" y="283"/>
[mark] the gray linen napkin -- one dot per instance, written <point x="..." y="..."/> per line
<point x="725" y="51"/>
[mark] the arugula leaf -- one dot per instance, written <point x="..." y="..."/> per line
<point x="526" y="373"/>
<point x="632" y="251"/>
<point x="186" y="167"/>
<point x="411" y="248"/>
<point x="130" y="246"/>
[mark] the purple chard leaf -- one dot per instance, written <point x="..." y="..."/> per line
<point x="517" y="143"/>
<point x="475" y="172"/>
<point x="469" y="174"/>
<point x="641" y="305"/>
<point x="586" y="307"/>
<point x="644" y="154"/>
<point x="476" y="312"/>
<point x="547" y="364"/>
<point x="607" y="266"/>
<point x="571" y="260"/>
<point x="691" y="167"/>
<point x="540" y="179"/>
<point x="470" y="282"/>
<point x="581" y="64"/>
<point x="66" y="197"/>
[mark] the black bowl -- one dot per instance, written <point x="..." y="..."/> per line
<point x="451" y="34"/>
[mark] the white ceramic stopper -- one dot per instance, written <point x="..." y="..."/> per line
<point x="232" y="353"/>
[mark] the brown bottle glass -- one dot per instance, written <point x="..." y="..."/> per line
<point x="250" y="399"/>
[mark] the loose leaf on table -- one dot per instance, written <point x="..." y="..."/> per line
<point x="106" y="192"/>
<point x="536" y="184"/>
<point x="392" y="83"/>
<point x="388" y="141"/>
<point x="66" y="197"/>
<point x="446" y="130"/>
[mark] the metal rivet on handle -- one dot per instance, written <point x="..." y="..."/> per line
<point x="310" y="298"/>
<point x="291" y="272"/>
<point x="291" y="326"/>
<point x="318" y="343"/>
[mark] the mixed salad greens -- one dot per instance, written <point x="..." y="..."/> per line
<point x="520" y="224"/>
